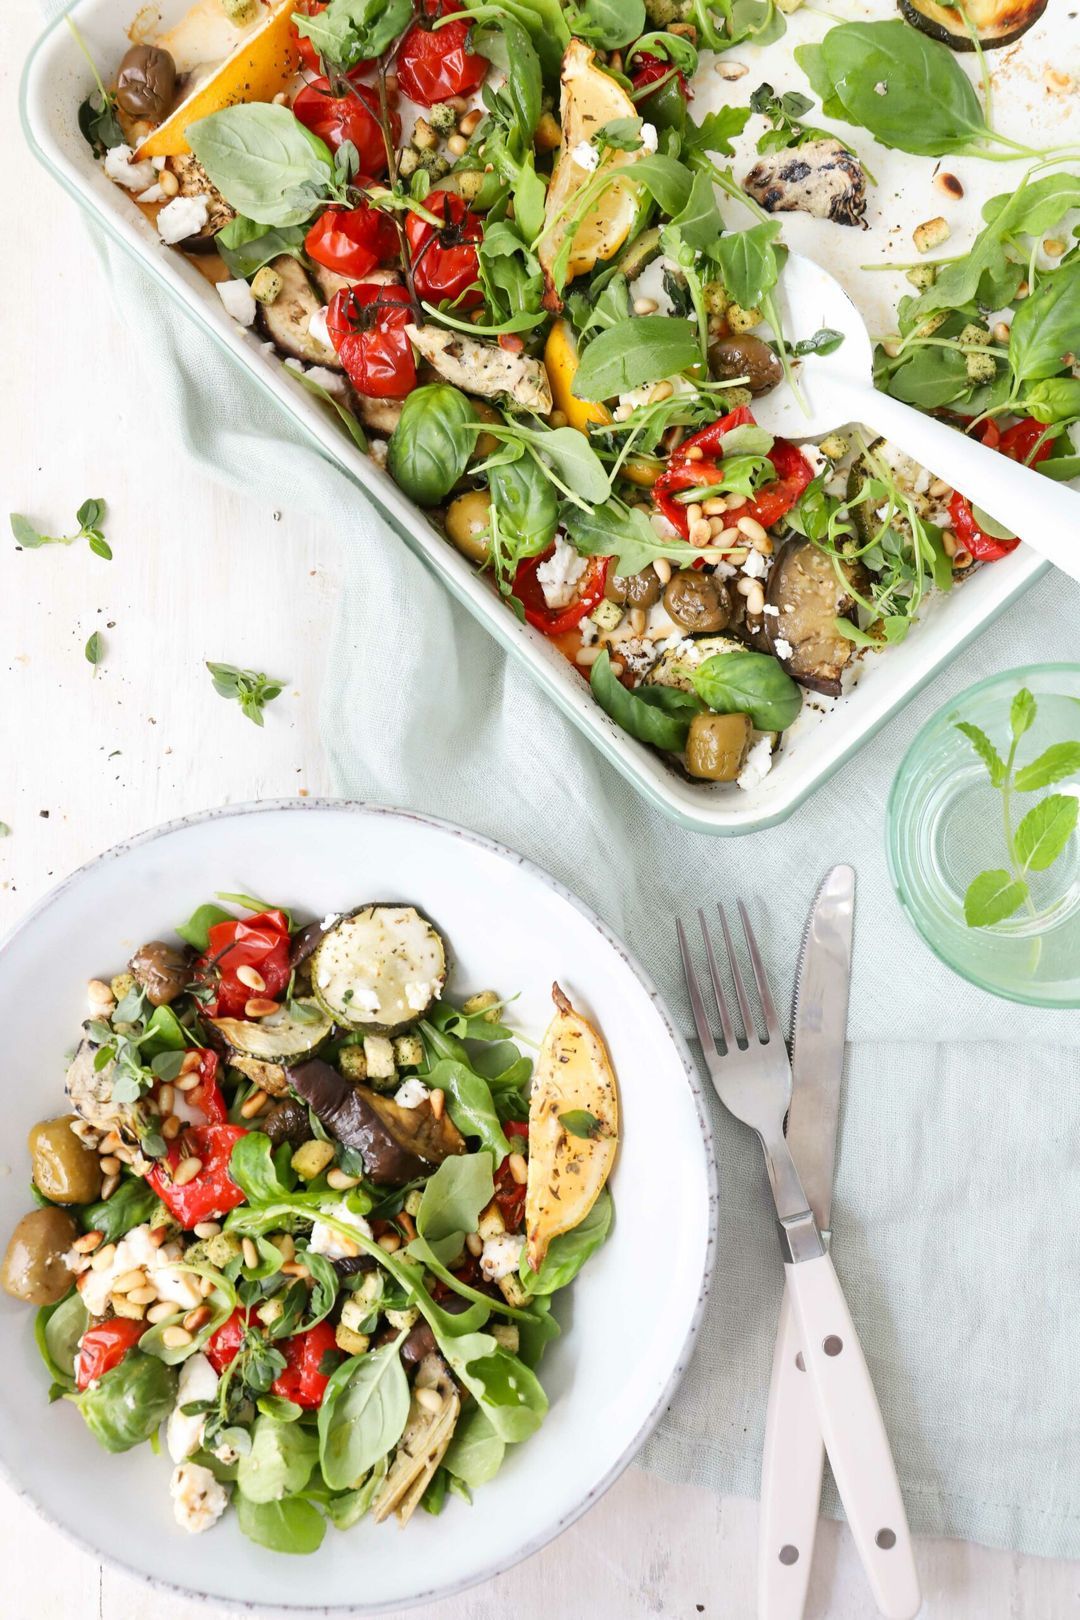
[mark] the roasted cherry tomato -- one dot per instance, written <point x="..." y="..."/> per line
<point x="434" y="64"/>
<point x="367" y="328"/>
<point x="308" y="53"/>
<point x="352" y="117"/>
<point x="210" y="1193"/>
<point x="553" y="621"/>
<point x="223" y="1346"/>
<point x="793" y="473"/>
<point x="261" y="942"/>
<point x="444" y="259"/>
<point x="650" y="69"/>
<point x="1018" y="443"/>
<point x="103" y="1347"/>
<point x="352" y="241"/>
<point x="301" y="1380"/>
<point x="510" y="1194"/>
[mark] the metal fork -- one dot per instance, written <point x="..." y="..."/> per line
<point x="751" y="1075"/>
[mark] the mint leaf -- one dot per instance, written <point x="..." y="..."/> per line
<point x="1059" y="761"/>
<point x="1045" y="830"/>
<point x="991" y="897"/>
<point x="1022" y="713"/>
<point x="985" y="750"/>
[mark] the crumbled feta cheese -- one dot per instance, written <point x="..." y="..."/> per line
<point x="881" y="88"/>
<point x="317" y="327"/>
<point x="648" y="137"/>
<point x="770" y="607"/>
<point x="136" y="1252"/>
<point x="818" y="463"/>
<point x="585" y="156"/>
<point x="589" y="631"/>
<point x="325" y="1240"/>
<point x="198" y="1499"/>
<point x="331" y="916"/>
<point x="411" y="1093"/>
<point x="758" y="765"/>
<point x="378" y="450"/>
<point x="120" y="166"/>
<point x="198" y="1382"/>
<point x="239" y="300"/>
<point x="755" y="566"/>
<point x="783" y="648"/>
<point x="636" y="654"/>
<point x="560" y="573"/>
<point x="501" y="1256"/>
<point x="152" y="194"/>
<point x="181" y="218"/>
<point x="418" y="993"/>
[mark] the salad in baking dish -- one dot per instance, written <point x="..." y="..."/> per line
<point x="488" y="235"/>
<point x="307" y="1214"/>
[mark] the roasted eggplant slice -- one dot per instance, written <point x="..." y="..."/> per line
<point x="821" y="178"/>
<point x="286" y="320"/>
<point x="380" y="969"/>
<point x="811" y="596"/>
<point x="994" y="22"/>
<point x="286" y="1037"/>
<point x="397" y="1144"/>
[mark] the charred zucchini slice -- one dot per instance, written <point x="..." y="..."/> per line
<point x="669" y="670"/>
<point x="995" y="22"/>
<point x="380" y="969"/>
<point x="285" y="1037"/>
<point x="285" y="321"/>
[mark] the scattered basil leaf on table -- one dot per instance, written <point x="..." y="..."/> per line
<point x="94" y="651"/>
<point x="88" y="517"/>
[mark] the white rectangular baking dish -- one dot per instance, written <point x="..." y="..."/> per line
<point x="57" y="79"/>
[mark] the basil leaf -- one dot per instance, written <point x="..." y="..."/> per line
<point x="430" y="447"/>
<point x="526" y="504"/>
<point x="610" y="24"/>
<point x="126" y="1405"/>
<point x="1054" y="765"/>
<point x="1046" y="326"/>
<point x="634" y="714"/>
<point x="644" y="349"/>
<point x="57" y="1331"/>
<point x="568" y="1252"/>
<point x="748" y="683"/>
<point x="196" y="931"/>
<point x="748" y="262"/>
<point x="263" y="161"/>
<point x="132" y="1204"/>
<point x="279" y="1462"/>
<point x="363" y="1414"/>
<point x="993" y="896"/>
<point x="289" y="1526"/>
<point x="476" y="1453"/>
<point x="1045" y="830"/>
<point x="246" y="246"/>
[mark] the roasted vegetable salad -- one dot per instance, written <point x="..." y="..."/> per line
<point x="307" y="1213"/>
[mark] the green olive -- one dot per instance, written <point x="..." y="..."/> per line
<point x="34" y="1267"/>
<point x="467" y="524"/>
<point x="717" y="745"/>
<point x="64" y="1169"/>
<point x="485" y="444"/>
<point x="698" y="602"/>
<point x="636" y="590"/>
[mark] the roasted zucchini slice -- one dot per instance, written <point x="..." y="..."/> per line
<point x="284" y="1038"/>
<point x="380" y="969"/>
<point x="670" y="666"/>
<point x="995" y="22"/>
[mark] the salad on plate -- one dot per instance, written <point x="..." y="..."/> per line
<point x="499" y="241"/>
<point x="305" y="1215"/>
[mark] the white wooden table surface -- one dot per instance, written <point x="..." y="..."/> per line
<point x="87" y="758"/>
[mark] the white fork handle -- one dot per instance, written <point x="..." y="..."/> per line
<point x="790" y="1479"/>
<point x="1043" y="512"/>
<point x="855" y="1437"/>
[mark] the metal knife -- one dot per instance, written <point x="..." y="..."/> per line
<point x="794" y="1452"/>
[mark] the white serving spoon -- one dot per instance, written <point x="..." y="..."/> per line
<point x="838" y="388"/>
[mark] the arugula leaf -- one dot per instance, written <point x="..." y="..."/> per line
<point x="610" y="24"/>
<point x="646" y="348"/>
<point x="715" y="132"/>
<point x="352" y="31"/>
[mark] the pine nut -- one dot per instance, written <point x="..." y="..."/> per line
<point x="468" y="124"/>
<point x="1001" y="332"/>
<point x="110" y="1165"/>
<point x="253" y="1105"/>
<point x="475" y="1244"/>
<point x="407" y="1224"/>
<point x="733" y="502"/>
<point x="165" y="1098"/>
<point x="129" y="1280"/>
<point x="734" y="554"/>
<point x="109" y="1142"/>
<point x="207" y="1229"/>
<point x="186" y="1171"/>
<point x="390" y="1242"/>
<point x="716" y="527"/>
<point x="171" y="1127"/>
<point x="637" y="620"/>
<point x="457" y="146"/>
<point x="437" y="1100"/>
<point x="176" y="1337"/>
<point x="558" y="419"/>
<point x="161" y="1311"/>
<point x="157" y="1236"/>
<point x="285" y="1244"/>
<point x="456" y="104"/>
<point x="700" y="532"/>
<point x="260" y="1007"/>
<point x="948" y="542"/>
<point x="122" y="1306"/>
<point x="585" y="657"/>
<point x="190" y="1063"/>
<point x="939" y="489"/>
<point x="125" y="1154"/>
<point x="142" y="1296"/>
<point x="645" y="306"/>
<point x="1054" y="247"/>
<point x="694" y="513"/>
<point x="198" y="1318"/>
<point x="293" y="1268"/>
<point x="617" y="667"/>
<point x="104" y="1258"/>
<point x="391" y="81"/>
<point x="1022" y="291"/>
<point x="340" y="1180"/>
<point x="168" y="182"/>
<point x="743" y="586"/>
<point x="251" y="1253"/>
<point x="108" y="1187"/>
<point x="251" y="977"/>
<point x="755" y="597"/>
<point x="695" y="453"/>
<point x="188" y="1082"/>
<point x="206" y="1286"/>
<point x="751" y="528"/>
<point x="662" y="570"/>
<point x="518" y="1166"/>
<point x="87" y="1243"/>
<point x="663" y="390"/>
<point x="280" y="99"/>
<point x="731" y="70"/>
<point x="429" y="1399"/>
<point x="716" y="507"/>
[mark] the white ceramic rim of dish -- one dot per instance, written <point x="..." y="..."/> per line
<point x="503" y="852"/>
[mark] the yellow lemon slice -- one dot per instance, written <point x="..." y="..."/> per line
<point x="260" y="64"/>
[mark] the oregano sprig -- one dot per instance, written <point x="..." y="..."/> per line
<point x="248" y="687"/>
<point x="1041" y="835"/>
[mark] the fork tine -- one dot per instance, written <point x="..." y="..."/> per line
<point x="701" y="1017"/>
<point x="772" y="1023"/>
<point x="718" y="988"/>
<point x="749" y="1026"/>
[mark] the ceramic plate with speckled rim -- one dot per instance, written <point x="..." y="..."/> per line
<point x="628" y="1322"/>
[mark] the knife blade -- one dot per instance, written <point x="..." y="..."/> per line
<point x="818" y="1031"/>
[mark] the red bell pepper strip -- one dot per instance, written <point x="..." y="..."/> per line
<point x="509" y="1194"/>
<point x="212" y="1192"/>
<point x="103" y="1347"/>
<point x="261" y="942"/>
<point x="553" y="621"/>
<point x="301" y="1381"/>
<point x="207" y="1094"/>
<point x="650" y="69"/>
<point x="1019" y="444"/>
<point x="434" y="64"/>
<point x="767" y="506"/>
<point x="223" y="1345"/>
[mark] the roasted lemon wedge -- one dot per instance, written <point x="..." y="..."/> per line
<point x="561" y="360"/>
<point x="589" y="100"/>
<point x="259" y="65"/>
<point x="573" y="1128"/>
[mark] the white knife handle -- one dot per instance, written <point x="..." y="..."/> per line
<point x="790" y="1479"/>
<point x="855" y="1437"/>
